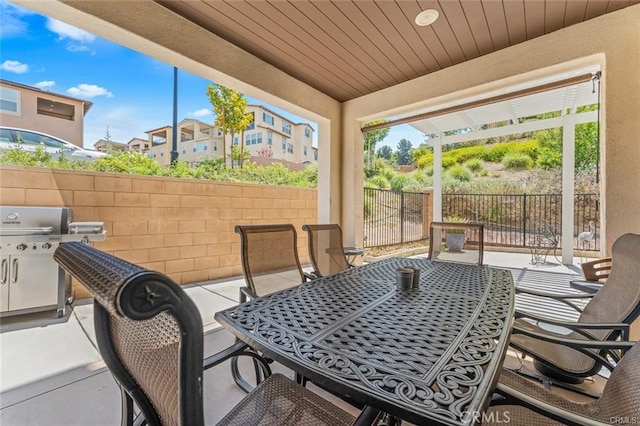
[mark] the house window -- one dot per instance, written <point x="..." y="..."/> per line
<point x="206" y="147"/>
<point x="305" y="151"/>
<point x="9" y="100"/>
<point x="253" y="139"/>
<point x="307" y="132"/>
<point x="184" y="150"/>
<point x="284" y="144"/>
<point x="194" y="149"/>
<point x="235" y="140"/>
<point x="286" y="128"/>
<point x="315" y="155"/>
<point x="269" y="138"/>
<point x="268" y="118"/>
<point x="162" y="154"/>
<point x="56" y="109"/>
<point x="290" y="148"/>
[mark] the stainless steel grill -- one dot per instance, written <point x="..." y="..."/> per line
<point x="30" y="280"/>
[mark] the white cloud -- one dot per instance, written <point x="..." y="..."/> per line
<point x="76" y="48"/>
<point x="11" y="24"/>
<point x="201" y="112"/>
<point x="88" y="91"/>
<point x="46" y="84"/>
<point x="14" y="66"/>
<point x="65" y="31"/>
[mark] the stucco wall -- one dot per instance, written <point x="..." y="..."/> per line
<point x="612" y="40"/>
<point x="29" y="119"/>
<point x="181" y="227"/>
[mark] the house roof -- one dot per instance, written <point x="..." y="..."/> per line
<point x="347" y="49"/>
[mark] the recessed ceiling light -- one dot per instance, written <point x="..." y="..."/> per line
<point x="426" y="17"/>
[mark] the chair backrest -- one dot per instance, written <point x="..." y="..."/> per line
<point x="456" y="242"/>
<point x="325" y="248"/>
<point x="619" y="299"/>
<point x="148" y="331"/>
<point x="596" y="270"/>
<point x="621" y="395"/>
<point x="269" y="255"/>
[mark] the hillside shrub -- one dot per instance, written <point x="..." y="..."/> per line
<point x="475" y="165"/>
<point x="460" y="173"/>
<point x="398" y="182"/>
<point x="517" y="161"/>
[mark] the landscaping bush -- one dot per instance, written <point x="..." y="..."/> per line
<point x="398" y="182"/>
<point x="460" y="173"/>
<point x="475" y="165"/>
<point x="517" y="161"/>
<point x="378" y="182"/>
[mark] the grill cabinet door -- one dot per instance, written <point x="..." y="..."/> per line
<point x="4" y="283"/>
<point x="33" y="281"/>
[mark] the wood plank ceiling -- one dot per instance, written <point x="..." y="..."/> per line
<point x="347" y="49"/>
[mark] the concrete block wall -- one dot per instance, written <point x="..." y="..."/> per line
<point x="181" y="227"/>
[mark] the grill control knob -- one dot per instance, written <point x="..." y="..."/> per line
<point x="21" y="247"/>
<point x="46" y="246"/>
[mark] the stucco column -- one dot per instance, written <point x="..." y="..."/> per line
<point x="568" y="185"/>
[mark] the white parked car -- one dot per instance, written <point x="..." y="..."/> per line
<point x="11" y="137"/>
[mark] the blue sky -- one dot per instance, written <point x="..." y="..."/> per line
<point x="131" y="93"/>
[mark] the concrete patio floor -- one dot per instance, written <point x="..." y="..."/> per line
<point x="52" y="374"/>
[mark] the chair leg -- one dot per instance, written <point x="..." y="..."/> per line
<point x="127" y="416"/>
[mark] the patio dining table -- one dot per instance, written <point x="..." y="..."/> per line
<point x="428" y="355"/>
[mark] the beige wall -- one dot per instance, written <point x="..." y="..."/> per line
<point x="181" y="227"/>
<point x="612" y="40"/>
<point x="29" y="119"/>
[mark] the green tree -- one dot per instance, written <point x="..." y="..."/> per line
<point x="372" y="138"/>
<point x="229" y="107"/>
<point x="385" y="152"/>
<point x="240" y="154"/>
<point x="404" y="152"/>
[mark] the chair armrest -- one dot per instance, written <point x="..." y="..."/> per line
<point x="590" y="287"/>
<point x="311" y="275"/>
<point x="564" y="298"/>
<point x="553" y="295"/>
<point x="246" y="293"/>
<point x="607" y="347"/>
<point x="579" y="327"/>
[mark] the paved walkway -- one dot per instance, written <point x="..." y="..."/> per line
<point x="51" y="372"/>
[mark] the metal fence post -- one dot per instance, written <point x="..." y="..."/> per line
<point x="401" y="217"/>
<point x="524" y="220"/>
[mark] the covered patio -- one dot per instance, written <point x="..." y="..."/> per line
<point x="342" y="86"/>
<point x="52" y="372"/>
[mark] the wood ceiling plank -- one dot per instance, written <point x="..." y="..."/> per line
<point x="444" y="32"/>
<point x="299" y="30"/>
<point x="266" y="44"/>
<point x="534" y="18"/>
<point x="415" y="46"/>
<point x="596" y="8"/>
<point x="494" y="11"/>
<point x="475" y="14"/>
<point x="381" y="46"/>
<point x="426" y="34"/>
<point x="614" y="5"/>
<point x="393" y="35"/>
<point x="554" y="15"/>
<point x="363" y="43"/>
<point x="454" y="14"/>
<point x="343" y="41"/>
<point x="574" y="12"/>
<point x="516" y="24"/>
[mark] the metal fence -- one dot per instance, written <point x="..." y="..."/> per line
<point x="393" y="217"/>
<point x="510" y="220"/>
<point x="516" y="220"/>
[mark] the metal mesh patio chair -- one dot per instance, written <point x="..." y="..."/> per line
<point x="325" y="249"/>
<point x="607" y="316"/>
<point x="456" y="242"/>
<point x="619" y="402"/>
<point x="149" y="334"/>
<point x="269" y="255"/>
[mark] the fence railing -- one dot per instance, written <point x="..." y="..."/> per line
<point x="393" y="217"/>
<point x="510" y="220"/>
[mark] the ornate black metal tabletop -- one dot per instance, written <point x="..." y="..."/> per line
<point x="428" y="355"/>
